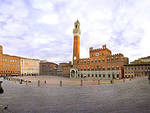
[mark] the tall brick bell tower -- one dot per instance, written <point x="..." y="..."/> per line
<point x="76" y="42"/>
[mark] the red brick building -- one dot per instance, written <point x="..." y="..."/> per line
<point x="101" y="63"/>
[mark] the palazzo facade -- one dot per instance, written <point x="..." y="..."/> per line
<point x="29" y="66"/>
<point x="101" y="64"/>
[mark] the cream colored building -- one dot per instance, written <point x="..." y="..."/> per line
<point x="146" y="59"/>
<point x="29" y="66"/>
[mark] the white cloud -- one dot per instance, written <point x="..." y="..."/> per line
<point x="42" y="5"/>
<point x="48" y="19"/>
<point x="58" y="59"/>
<point x="44" y="28"/>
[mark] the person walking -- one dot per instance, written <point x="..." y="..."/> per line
<point x="2" y="107"/>
<point x="1" y="89"/>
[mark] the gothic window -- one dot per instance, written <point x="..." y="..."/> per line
<point x="108" y="68"/>
<point x="107" y="60"/>
<point x="95" y="61"/>
<point x="117" y="68"/>
<point x="95" y="75"/>
<point x="76" y="26"/>
<point x="99" y="75"/>
<point x="99" y="60"/>
<point x="112" y="68"/>
<point x="117" y="75"/>
<point x="103" y="60"/>
<point x="97" y="66"/>
<point x="117" y="59"/>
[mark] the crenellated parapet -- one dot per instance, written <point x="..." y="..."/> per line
<point x="117" y="55"/>
<point x="104" y="51"/>
<point x="99" y="49"/>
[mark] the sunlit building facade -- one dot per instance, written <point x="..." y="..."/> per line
<point x="138" y="68"/>
<point x="16" y="66"/>
<point x="29" y="66"/>
<point x="9" y="65"/>
<point x="143" y="60"/>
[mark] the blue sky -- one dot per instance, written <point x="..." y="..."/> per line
<point x="43" y="28"/>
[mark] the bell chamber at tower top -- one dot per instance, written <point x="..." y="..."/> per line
<point x="76" y="30"/>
